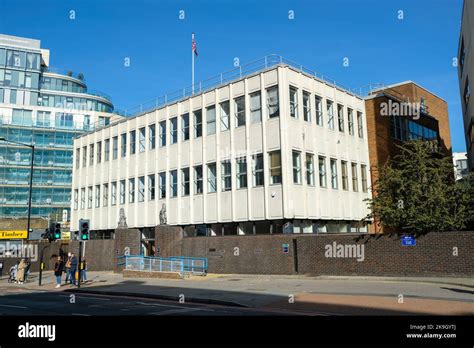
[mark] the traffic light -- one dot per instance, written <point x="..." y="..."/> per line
<point x="84" y="229"/>
<point x="57" y="231"/>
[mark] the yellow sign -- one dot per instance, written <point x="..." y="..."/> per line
<point x="66" y="235"/>
<point x="13" y="234"/>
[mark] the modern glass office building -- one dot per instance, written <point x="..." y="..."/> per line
<point x="47" y="108"/>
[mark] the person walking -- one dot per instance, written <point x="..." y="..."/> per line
<point x="84" y="271"/>
<point x="58" y="271"/>
<point x="13" y="271"/>
<point x="68" y="268"/>
<point x="27" y="269"/>
<point x="20" y="276"/>
<point x="73" y="263"/>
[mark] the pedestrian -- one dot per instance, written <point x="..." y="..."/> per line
<point x="84" y="271"/>
<point x="73" y="268"/>
<point x="68" y="268"/>
<point x="58" y="271"/>
<point x="27" y="269"/>
<point x="13" y="271"/>
<point x="20" y="275"/>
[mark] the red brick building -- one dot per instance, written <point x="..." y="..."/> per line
<point x="401" y="112"/>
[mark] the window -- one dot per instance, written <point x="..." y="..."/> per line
<point x="355" y="186"/>
<point x="273" y="103"/>
<point x="151" y="187"/>
<point x="211" y="119"/>
<point x="239" y="111"/>
<point x="185" y="181"/>
<point x="185" y="126"/>
<point x="99" y="151"/>
<point x="296" y="155"/>
<point x="141" y="140"/>
<point x="211" y="178"/>
<point x="363" y="172"/>
<point x="105" y="200"/>
<point x="293" y="102"/>
<point x="91" y="154"/>
<point x="257" y="170"/>
<point x="198" y="180"/>
<point x="462" y="55"/>
<point x="83" y="198"/>
<point x="107" y="150"/>
<point x="123" y="145"/>
<point x="76" y="199"/>
<point x="330" y="112"/>
<point x="133" y="142"/>
<point x="197" y="123"/>
<point x="334" y="183"/>
<point x="151" y="137"/>
<point x="306" y="106"/>
<point x="115" y="148"/>
<point x="255" y="107"/>
<point x="241" y="172"/>
<point x="275" y="167"/>
<point x="174" y="130"/>
<point x="162" y="183"/>
<point x="141" y="189"/>
<point x="360" y="125"/>
<point x="345" y="176"/>
<point x="310" y="169"/>
<point x="322" y="171"/>
<point x="174" y="183"/>
<point x="467" y="92"/>
<point x="84" y="156"/>
<point x="162" y="133"/>
<point x="226" y="176"/>
<point x="225" y="118"/>
<point x="78" y="158"/>
<point x="131" y="190"/>
<point x="122" y="192"/>
<point x="340" y="117"/>
<point x="350" y="121"/>
<point x="114" y="193"/>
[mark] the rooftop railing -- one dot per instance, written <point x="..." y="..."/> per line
<point x="70" y="73"/>
<point x="237" y="73"/>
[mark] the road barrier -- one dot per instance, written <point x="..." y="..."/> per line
<point x="180" y="264"/>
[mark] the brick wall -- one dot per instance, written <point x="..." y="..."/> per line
<point x="383" y="254"/>
<point x="100" y="254"/>
<point x="168" y="240"/>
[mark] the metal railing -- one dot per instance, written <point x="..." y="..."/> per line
<point x="180" y="264"/>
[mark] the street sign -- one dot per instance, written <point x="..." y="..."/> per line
<point x="65" y="235"/>
<point x="285" y="248"/>
<point x="408" y="241"/>
<point x="13" y="234"/>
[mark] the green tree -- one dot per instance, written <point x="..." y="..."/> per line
<point x="416" y="192"/>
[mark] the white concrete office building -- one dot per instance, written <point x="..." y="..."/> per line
<point x="276" y="151"/>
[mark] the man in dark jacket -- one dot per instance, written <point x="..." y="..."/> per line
<point x="58" y="271"/>
<point x="73" y="268"/>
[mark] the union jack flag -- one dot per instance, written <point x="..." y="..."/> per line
<point x="194" y="47"/>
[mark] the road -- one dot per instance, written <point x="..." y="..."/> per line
<point x="59" y="303"/>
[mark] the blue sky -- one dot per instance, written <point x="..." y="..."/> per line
<point x="380" y="47"/>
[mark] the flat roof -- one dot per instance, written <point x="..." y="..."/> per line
<point x="381" y="89"/>
<point x="21" y="42"/>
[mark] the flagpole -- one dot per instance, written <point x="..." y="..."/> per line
<point x="192" y="69"/>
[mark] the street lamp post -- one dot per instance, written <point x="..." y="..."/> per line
<point x="32" y="147"/>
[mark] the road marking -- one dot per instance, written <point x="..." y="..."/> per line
<point x="173" y="311"/>
<point x="11" y="306"/>
<point x="81" y="314"/>
<point x="86" y="296"/>
<point x="167" y="305"/>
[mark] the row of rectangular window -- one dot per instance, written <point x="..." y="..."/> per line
<point x="226" y="181"/>
<point x="322" y="172"/>
<point x="307" y="112"/>
<point x="257" y="171"/>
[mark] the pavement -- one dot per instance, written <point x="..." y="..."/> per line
<point x="271" y="294"/>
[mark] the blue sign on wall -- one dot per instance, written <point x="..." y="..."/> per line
<point x="285" y="248"/>
<point x="408" y="241"/>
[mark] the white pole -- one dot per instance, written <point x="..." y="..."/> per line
<point x="192" y="57"/>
